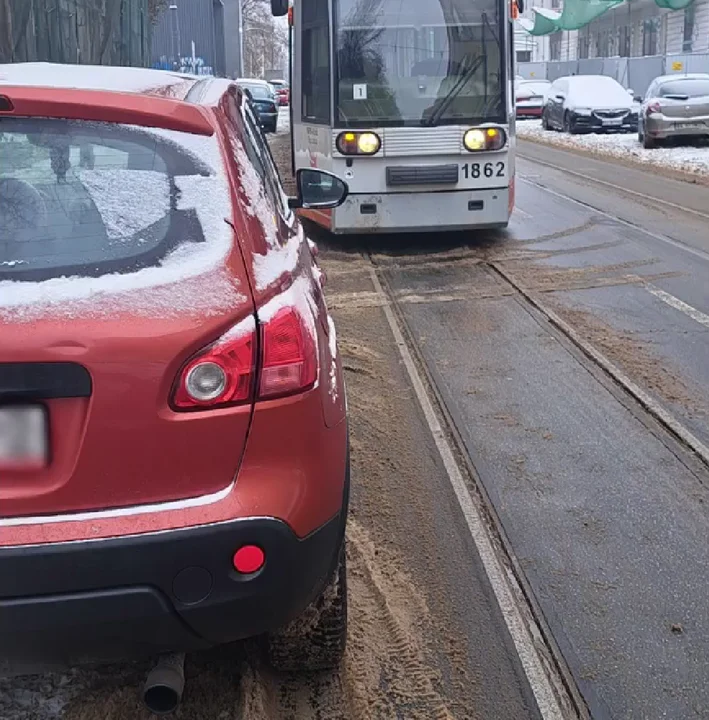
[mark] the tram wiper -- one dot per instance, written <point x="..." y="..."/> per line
<point x="453" y="93"/>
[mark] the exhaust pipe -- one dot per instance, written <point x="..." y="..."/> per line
<point x="164" y="685"/>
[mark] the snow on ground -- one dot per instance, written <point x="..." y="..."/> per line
<point x="283" y="119"/>
<point x="690" y="159"/>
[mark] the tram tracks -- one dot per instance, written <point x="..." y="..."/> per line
<point x="546" y="670"/>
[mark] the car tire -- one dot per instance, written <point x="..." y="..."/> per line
<point x="545" y="122"/>
<point x="316" y="640"/>
<point x="568" y="128"/>
<point x="648" y="142"/>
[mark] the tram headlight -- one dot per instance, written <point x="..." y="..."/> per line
<point x="368" y="143"/>
<point x="358" y="143"/>
<point x="477" y="139"/>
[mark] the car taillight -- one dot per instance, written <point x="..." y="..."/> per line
<point x="222" y="374"/>
<point x="654" y="108"/>
<point x="289" y="356"/>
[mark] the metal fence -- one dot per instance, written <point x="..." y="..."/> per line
<point x="190" y="37"/>
<point x="634" y="73"/>
<point x="100" y="32"/>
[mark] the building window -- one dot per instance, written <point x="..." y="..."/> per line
<point x="624" y="41"/>
<point x="604" y="43"/>
<point x="689" y="14"/>
<point x="524" y="56"/>
<point x="650" y="37"/>
<point x="584" y="44"/>
<point x="555" y="4"/>
<point x="555" y="46"/>
<point x="316" y="62"/>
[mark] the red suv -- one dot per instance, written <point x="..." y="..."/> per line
<point x="174" y="465"/>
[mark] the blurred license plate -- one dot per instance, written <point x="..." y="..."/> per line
<point x="612" y="121"/>
<point x="23" y="437"/>
<point x="691" y="126"/>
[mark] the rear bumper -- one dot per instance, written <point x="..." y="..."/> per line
<point x="528" y="112"/>
<point x="72" y="603"/>
<point x="268" y="119"/>
<point x="665" y="128"/>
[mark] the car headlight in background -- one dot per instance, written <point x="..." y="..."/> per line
<point x="358" y="143"/>
<point x="477" y="139"/>
<point x="581" y="111"/>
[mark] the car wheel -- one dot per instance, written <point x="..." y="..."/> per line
<point x="545" y="122"/>
<point x="648" y="143"/>
<point x="316" y="640"/>
<point x="568" y="128"/>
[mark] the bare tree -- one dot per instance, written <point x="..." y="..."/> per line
<point x="155" y="7"/>
<point x="265" y="40"/>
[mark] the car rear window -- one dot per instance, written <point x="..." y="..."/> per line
<point x="89" y="199"/>
<point x="689" y="87"/>
<point x="260" y="92"/>
<point x="533" y="88"/>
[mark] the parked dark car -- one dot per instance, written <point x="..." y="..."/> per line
<point x="675" y="106"/>
<point x="589" y="103"/>
<point x="263" y="96"/>
<point x="173" y="434"/>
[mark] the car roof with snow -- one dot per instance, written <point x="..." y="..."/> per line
<point x="253" y="81"/>
<point x="682" y="76"/>
<point x="101" y="78"/>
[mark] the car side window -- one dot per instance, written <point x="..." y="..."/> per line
<point x="651" y="91"/>
<point x="272" y="176"/>
<point x="247" y="129"/>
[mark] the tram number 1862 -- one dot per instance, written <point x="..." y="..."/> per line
<point x="473" y="171"/>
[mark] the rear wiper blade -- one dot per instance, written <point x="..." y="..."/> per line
<point x="453" y="92"/>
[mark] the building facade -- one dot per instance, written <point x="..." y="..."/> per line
<point x="199" y="36"/>
<point x="634" y="29"/>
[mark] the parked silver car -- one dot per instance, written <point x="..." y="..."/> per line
<point x="675" y="106"/>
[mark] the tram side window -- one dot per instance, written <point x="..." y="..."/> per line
<point x="316" y="62"/>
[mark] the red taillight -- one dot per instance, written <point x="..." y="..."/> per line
<point x="222" y="374"/>
<point x="654" y="108"/>
<point x="289" y="355"/>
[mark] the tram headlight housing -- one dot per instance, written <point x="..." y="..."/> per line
<point x="358" y="143"/>
<point x="479" y="139"/>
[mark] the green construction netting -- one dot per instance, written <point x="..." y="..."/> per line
<point x="578" y="13"/>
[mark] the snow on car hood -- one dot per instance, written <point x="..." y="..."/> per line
<point x="597" y="91"/>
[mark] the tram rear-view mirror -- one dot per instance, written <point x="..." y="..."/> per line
<point x="279" y="8"/>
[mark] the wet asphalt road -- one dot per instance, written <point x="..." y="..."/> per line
<point x="606" y="512"/>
